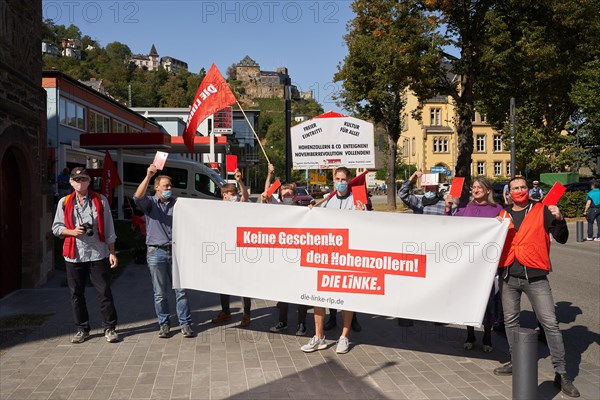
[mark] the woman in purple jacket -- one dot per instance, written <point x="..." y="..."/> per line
<point x="483" y="205"/>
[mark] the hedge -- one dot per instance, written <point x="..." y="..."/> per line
<point x="572" y="204"/>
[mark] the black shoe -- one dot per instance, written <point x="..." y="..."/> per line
<point x="566" y="385"/>
<point x="355" y="325"/>
<point x="280" y="327"/>
<point x="405" y="322"/>
<point x="504" y="370"/>
<point x="330" y="324"/>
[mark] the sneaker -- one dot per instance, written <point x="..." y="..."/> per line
<point x="301" y="331"/>
<point x="314" y="344"/>
<point x="504" y="370"/>
<point x="221" y="317"/>
<point x="80" y="337"/>
<point x="164" y="331"/>
<point x="597" y="239"/>
<point x="111" y="335"/>
<point x="280" y="327"/>
<point x="330" y="324"/>
<point x="187" y="331"/>
<point x="487" y="348"/>
<point x="589" y="239"/>
<point x="245" y="322"/>
<point x="565" y="384"/>
<point x="343" y="345"/>
<point x="469" y="344"/>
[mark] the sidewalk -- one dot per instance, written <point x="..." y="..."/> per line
<point x="386" y="362"/>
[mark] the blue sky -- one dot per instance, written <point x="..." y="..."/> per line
<point x="304" y="36"/>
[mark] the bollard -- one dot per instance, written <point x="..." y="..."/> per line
<point x="579" y="228"/>
<point x="525" y="364"/>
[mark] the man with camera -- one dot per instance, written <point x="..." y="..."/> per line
<point x="84" y="221"/>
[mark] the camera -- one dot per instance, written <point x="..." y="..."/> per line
<point x="88" y="229"/>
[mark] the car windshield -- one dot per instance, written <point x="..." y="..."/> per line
<point x="301" y="191"/>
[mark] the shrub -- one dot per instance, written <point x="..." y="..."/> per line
<point x="572" y="204"/>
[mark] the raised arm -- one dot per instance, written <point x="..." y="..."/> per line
<point x="240" y="181"/>
<point x="141" y="190"/>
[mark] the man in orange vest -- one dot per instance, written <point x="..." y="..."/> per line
<point x="524" y="268"/>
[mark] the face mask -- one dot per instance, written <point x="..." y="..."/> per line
<point x="288" y="200"/>
<point x="166" y="194"/>
<point x="341" y="186"/>
<point x="429" y="195"/>
<point x="520" y="197"/>
<point x="233" y="198"/>
<point x="79" y="186"/>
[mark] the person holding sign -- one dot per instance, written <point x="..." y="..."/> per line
<point x="482" y="205"/>
<point x="342" y="200"/>
<point x="431" y="203"/>
<point x="524" y="267"/>
<point x="158" y="210"/>
<point x="229" y="192"/>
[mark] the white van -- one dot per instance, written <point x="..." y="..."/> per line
<point x="189" y="178"/>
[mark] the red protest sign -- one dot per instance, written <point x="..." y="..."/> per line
<point x="457" y="186"/>
<point x="554" y="194"/>
<point x="359" y="193"/>
<point x="273" y="188"/>
<point x="231" y="163"/>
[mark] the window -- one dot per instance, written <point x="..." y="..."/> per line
<point x="508" y="172"/>
<point x="134" y="130"/>
<point x="440" y="144"/>
<point x="436" y="116"/>
<point x="136" y="172"/>
<point x="497" y="168"/>
<point x="119" y="127"/>
<point x="405" y="147"/>
<point x="483" y="118"/>
<point x="497" y="143"/>
<point x="98" y="123"/>
<point x="481" y="143"/>
<point x="474" y="116"/>
<point x="480" y="168"/>
<point x="414" y="146"/>
<point x="71" y="114"/>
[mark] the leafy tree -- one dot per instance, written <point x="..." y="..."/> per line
<point x="389" y="50"/>
<point x="232" y="72"/>
<point x="118" y="51"/>
<point x="586" y="95"/>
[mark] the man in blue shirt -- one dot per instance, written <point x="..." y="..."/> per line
<point x="158" y="210"/>
<point x="592" y="211"/>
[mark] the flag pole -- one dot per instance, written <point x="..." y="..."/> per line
<point x="251" y="127"/>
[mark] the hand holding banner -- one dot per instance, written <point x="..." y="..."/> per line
<point x="230" y="163"/>
<point x="160" y="159"/>
<point x="359" y="193"/>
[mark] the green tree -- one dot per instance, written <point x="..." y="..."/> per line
<point x="586" y="95"/>
<point x="118" y="51"/>
<point x="389" y="50"/>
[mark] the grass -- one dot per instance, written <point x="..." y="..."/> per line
<point x="15" y="328"/>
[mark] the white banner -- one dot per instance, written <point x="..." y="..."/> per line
<point x="332" y="142"/>
<point x="402" y="265"/>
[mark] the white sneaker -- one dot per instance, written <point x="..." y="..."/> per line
<point x="314" y="345"/>
<point x="343" y="345"/>
<point x="597" y="239"/>
<point x="589" y="239"/>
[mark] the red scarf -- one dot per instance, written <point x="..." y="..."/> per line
<point x="69" y="208"/>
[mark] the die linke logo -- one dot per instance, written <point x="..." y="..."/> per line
<point x="340" y="269"/>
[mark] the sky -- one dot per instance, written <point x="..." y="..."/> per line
<point x="306" y="36"/>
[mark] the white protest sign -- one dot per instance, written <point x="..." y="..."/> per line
<point x="333" y="140"/>
<point x="432" y="268"/>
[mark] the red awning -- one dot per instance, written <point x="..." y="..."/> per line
<point x="331" y="114"/>
<point x="148" y="141"/>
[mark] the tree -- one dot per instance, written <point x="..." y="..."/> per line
<point x="232" y="72"/>
<point x="118" y="51"/>
<point x="586" y="95"/>
<point x="389" y="50"/>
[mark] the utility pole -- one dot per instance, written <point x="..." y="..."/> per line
<point x="288" y="127"/>
<point x="129" y="92"/>
<point x="513" y="158"/>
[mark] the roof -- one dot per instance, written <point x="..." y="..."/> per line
<point x="153" y="51"/>
<point x="247" y="62"/>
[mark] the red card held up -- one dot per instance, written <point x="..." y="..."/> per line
<point x="457" y="185"/>
<point x="273" y="188"/>
<point x="359" y="193"/>
<point x="231" y="163"/>
<point x="554" y="194"/>
<point x="159" y="160"/>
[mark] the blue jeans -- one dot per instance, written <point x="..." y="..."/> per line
<point x="160" y="266"/>
<point x="540" y="296"/>
<point x="594" y="215"/>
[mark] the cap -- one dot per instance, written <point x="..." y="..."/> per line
<point x="536" y="182"/>
<point x="79" y="172"/>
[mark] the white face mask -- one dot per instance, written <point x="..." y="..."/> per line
<point x="233" y="198"/>
<point x="288" y="200"/>
<point x="80" y="186"/>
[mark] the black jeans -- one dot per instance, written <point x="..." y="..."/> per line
<point x="225" y="300"/>
<point x="283" y="312"/>
<point x="98" y="271"/>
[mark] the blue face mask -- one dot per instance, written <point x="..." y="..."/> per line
<point x="430" y="195"/>
<point x="166" y="194"/>
<point x="341" y="186"/>
<point x="288" y="200"/>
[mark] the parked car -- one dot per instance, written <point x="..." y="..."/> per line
<point x="302" y="196"/>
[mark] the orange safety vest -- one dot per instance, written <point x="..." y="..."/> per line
<point x="531" y="244"/>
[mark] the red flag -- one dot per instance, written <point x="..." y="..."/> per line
<point x="356" y="181"/>
<point x="110" y="177"/>
<point x="213" y="94"/>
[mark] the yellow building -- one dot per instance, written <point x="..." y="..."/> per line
<point x="433" y="140"/>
